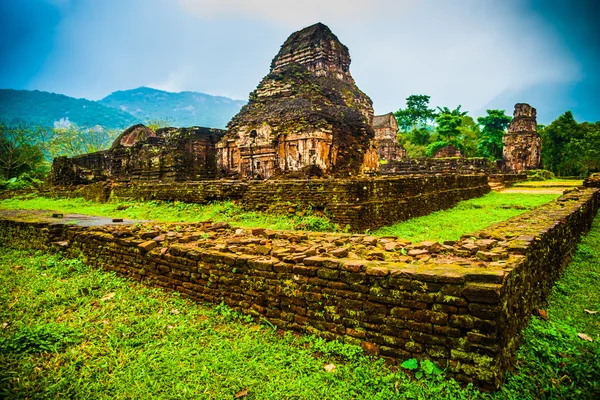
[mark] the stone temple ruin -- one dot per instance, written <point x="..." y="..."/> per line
<point x="306" y="116"/>
<point x="449" y="151"/>
<point x="306" y="119"/>
<point x="308" y="139"/>
<point x="386" y="137"/>
<point x="142" y="155"/>
<point x="522" y="143"/>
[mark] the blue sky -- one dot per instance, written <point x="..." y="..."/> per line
<point x="477" y="53"/>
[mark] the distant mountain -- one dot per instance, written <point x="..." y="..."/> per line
<point x="177" y="109"/>
<point x="120" y="109"/>
<point x="48" y="109"/>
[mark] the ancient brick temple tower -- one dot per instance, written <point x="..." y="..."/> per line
<point x="306" y="117"/>
<point x="522" y="143"/>
<point x="386" y="131"/>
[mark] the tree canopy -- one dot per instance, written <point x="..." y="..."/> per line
<point x="21" y="149"/>
<point x="417" y="113"/>
<point x="448" y="123"/>
<point x="570" y="148"/>
<point x="493" y="128"/>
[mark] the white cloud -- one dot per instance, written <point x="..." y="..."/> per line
<point x="290" y="11"/>
<point x="458" y="51"/>
<point x="176" y="81"/>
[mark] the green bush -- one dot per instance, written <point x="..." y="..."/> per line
<point x="539" y="175"/>
<point x="25" y="181"/>
<point x="435" y="147"/>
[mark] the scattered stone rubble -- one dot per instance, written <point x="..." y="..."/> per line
<point x="298" y="247"/>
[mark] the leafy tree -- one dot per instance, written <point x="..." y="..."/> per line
<point x="419" y="136"/>
<point x="569" y="148"/>
<point x="412" y="150"/>
<point x="588" y="148"/>
<point x="417" y="112"/>
<point x="469" y="136"/>
<point x="72" y="141"/>
<point x="493" y="128"/>
<point x="555" y="143"/>
<point x="21" y="148"/>
<point x="448" y="123"/>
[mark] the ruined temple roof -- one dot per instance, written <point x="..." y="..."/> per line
<point x="383" y="121"/>
<point x="524" y="120"/>
<point x="308" y="38"/>
<point x="448" y="151"/>
<point x="318" y="50"/>
<point x="133" y="135"/>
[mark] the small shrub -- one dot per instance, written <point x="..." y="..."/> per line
<point x="335" y="348"/>
<point x="25" y="181"/>
<point x="38" y="339"/>
<point x="539" y="175"/>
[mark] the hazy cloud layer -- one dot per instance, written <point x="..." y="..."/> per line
<point x="466" y="52"/>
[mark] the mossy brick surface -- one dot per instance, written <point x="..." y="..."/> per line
<point x="455" y="310"/>
<point x="359" y="203"/>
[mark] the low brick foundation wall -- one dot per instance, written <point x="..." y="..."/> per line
<point x="592" y="181"/>
<point x="363" y="203"/>
<point x="462" y="305"/>
<point x="453" y="165"/>
<point x="507" y="180"/>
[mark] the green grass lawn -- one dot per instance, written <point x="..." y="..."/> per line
<point x="163" y="211"/>
<point x="467" y="216"/>
<point x="68" y="331"/>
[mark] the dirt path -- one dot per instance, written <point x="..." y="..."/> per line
<point x="70" y="219"/>
<point x="543" y="187"/>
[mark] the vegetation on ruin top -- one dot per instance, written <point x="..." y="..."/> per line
<point x="69" y="331"/>
<point x="467" y="216"/>
<point x="226" y="211"/>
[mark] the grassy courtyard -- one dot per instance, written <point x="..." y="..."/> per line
<point x="467" y="216"/>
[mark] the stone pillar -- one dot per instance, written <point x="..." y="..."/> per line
<point x="522" y="143"/>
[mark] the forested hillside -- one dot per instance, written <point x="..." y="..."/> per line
<point x="177" y="109"/>
<point x="50" y="109"/>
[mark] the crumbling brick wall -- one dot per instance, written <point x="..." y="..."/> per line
<point x="141" y="155"/>
<point x="461" y="305"/>
<point x="453" y="165"/>
<point x="359" y="204"/>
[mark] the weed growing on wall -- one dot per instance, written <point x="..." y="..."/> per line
<point x="466" y="216"/>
